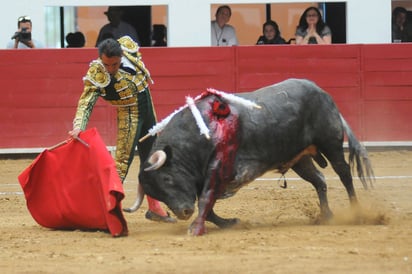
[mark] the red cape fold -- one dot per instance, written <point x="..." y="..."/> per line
<point x="74" y="186"/>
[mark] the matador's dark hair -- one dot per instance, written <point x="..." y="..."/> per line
<point x="110" y="47"/>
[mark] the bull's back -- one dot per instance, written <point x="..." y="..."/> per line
<point x="289" y="91"/>
<point x="295" y="114"/>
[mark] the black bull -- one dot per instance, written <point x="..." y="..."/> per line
<point x="297" y="122"/>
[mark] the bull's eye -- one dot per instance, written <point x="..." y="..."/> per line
<point x="167" y="180"/>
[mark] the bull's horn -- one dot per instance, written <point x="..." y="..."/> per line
<point x="139" y="200"/>
<point x="156" y="160"/>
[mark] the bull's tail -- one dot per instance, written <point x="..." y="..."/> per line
<point x="358" y="154"/>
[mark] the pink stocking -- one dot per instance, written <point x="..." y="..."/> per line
<point x="154" y="206"/>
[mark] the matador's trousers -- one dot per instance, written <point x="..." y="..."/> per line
<point x="133" y="122"/>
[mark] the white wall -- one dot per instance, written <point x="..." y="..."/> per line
<point x="189" y="20"/>
<point x="369" y="21"/>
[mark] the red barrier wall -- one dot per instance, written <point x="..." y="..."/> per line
<point x="370" y="83"/>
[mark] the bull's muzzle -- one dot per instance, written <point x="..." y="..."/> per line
<point x="183" y="214"/>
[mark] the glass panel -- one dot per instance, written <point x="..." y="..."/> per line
<point x="52" y="14"/>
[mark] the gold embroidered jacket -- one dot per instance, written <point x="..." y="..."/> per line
<point x="120" y="89"/>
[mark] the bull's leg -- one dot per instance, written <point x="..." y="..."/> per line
<point x="342" y="168"/>
<point x="205" y="205"/>
<point x="221" y="222"/>
<point x="306" y="169"/>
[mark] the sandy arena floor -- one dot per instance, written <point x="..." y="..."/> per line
<point x="277" y="234"/>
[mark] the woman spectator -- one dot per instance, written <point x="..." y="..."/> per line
<point x="271" y="34"/>
<point x="312" y="29"/>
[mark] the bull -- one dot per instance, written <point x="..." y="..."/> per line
<point x="295" y="124"/>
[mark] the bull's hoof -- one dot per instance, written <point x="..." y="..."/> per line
<point x="150" y="215"/>
<point x="222" y="222"/>
<point x="324" y="218"/>
<point x="227" y="223"/>
<point x="197" y="229"/>
<point x="327" y="215"/>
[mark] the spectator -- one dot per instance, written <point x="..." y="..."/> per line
<point x="116" y="27"/>
<point x="271" y="34"/>
<point x="401" y="28"/>
<point x="223" y="34"/>
<point x="159" y="36"/>
<point x="75" y="40"/>
<point x="312" y="29"/>
<point x="120" y="77"/>
<point x="23" y="38"/>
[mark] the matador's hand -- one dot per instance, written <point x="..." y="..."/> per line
<point x="74" y="133"/>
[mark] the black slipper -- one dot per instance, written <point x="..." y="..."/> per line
<point x="150" y="215"/>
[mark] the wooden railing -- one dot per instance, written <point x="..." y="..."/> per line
<point x="372" y="85"/>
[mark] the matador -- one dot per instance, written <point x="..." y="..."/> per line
<point x="120" y="77"/>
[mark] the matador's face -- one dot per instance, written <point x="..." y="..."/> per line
<point x="111" y="64"/>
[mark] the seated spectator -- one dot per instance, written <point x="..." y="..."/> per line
<point x="401" y="28"/>
<point x="159" y="36"/>
<point x="22" y="39"/>
<point x="116" y="27"/>
<point x="271" y="34"/>
<point x="223" y="34"/>
<point x="312" y="29"/>
<point x="75" y="40"/>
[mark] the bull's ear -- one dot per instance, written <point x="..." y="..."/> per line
<point x="169" y="154"/>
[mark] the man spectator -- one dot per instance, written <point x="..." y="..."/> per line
<point x="116" y="27"/>
<point x="222" y="33"/>
<point x="75" y="39"/>
<point x="22" y="39"/>
<point x="401" y="28"/>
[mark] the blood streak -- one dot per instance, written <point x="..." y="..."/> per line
<point x="224" y="126"/>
